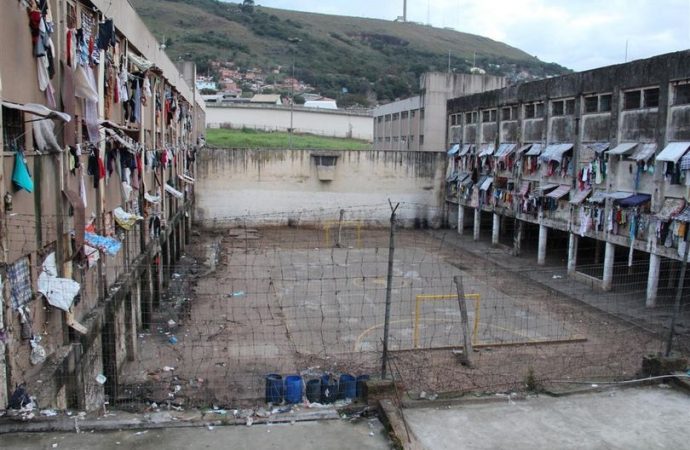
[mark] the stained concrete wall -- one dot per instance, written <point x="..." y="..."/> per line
<point x="277" y="186"/>
<point x="344" y="124"/>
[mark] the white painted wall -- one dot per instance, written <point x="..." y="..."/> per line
<point x="274" y="186"/>
<point x="275" y="118"/>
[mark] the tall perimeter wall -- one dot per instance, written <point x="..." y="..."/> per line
<point x="279" y="187"/>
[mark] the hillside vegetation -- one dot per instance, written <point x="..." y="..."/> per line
<point x="358" y="57"/>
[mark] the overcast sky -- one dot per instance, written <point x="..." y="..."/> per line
<point x="579" y="34"/>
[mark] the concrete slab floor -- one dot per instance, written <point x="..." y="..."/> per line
<point x="640" y="418"/>
<point x="331" y="434"/>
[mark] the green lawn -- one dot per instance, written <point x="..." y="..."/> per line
<point x="248" y="138"/>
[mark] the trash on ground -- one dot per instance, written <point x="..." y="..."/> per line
<point x="101" y="379"/>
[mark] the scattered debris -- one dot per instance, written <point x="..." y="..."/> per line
<point x="101" y="379"/>
<point x="172" y="340"/>
<point x="168" y="369"/>
<point x="48" y="412"/>
<point x="557" y="277"/>
<point x="20" y="398"/>
<point x="38" y="353"/>
<point x="237" y="294"/>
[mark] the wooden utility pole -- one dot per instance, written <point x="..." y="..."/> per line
<point x="466" y="339"/>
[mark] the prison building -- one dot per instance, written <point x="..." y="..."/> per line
<point x="99" y="135"/>
<point x="589" y="167"/>
<point x="418" y="123"/>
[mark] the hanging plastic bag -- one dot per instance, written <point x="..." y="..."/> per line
<point x="20" y="175"/>
<point x="59" y="292"/>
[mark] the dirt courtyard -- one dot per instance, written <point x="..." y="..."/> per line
<point x="246" y="303"/>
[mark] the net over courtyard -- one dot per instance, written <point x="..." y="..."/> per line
<point x="246" y="302"/>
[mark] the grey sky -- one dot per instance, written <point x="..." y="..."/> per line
<point x="579" y="34"/>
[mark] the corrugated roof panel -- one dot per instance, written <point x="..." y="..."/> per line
<point x="580" y="196"/>
<point x="643" y="152"/>
<point x="623" y="149"/>
<point x="673" y="152"/>
<point x="560" y="192"/>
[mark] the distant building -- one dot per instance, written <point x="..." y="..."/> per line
<point x="266" y="99"/>
<point x="419" y="123"/>
<point x="322" y="104"/>
<point x="206" y="84"/>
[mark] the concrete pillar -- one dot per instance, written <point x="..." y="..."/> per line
<point x="461" y="220"/>
<point x="653" y="280"/>
<point x="517" y="237"/>
<point x="496" y="229"/>
<point x="609" y="258"/>
<point x="572" y="253"/>
<point x="541" y="252"/>
<point x="477" y="223"/>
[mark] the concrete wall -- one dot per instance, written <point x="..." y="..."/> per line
<point x="275" y="186"/>
<point x="342" y="124"/>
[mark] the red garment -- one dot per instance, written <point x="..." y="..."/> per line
<point x="69" y="48"/>
<point x="101" y="168"/>
<point x="34" y="24"/>
<point x="140" y="169"/>
<point x="91" y="45"/>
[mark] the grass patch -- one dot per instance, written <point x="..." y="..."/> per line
<point x="250" y="138"/>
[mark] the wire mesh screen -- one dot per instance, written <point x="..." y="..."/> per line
<point x="308" y="298"/>
<point x="246" y="302"/>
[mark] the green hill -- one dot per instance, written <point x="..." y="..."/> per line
<point x="375" y="59"/>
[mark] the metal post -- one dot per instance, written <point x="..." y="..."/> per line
<point x="340" y="228"/>
<point x="389" y="286"/>
<point x="295" y="41"/>
<point x="466" y="340"/>
<point x="679" y="294"/>
<point x="292" y="102"/>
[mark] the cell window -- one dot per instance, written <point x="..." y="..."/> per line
<point x="540" y="110"/>
<point x="605" y="102"/>
<point x="570" y="107"/>
<point x="651" y="98"/>
<point x="632" y="100"/>
<point x="681" y="94"/>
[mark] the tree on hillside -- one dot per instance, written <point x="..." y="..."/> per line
<point x="248" y="6"/>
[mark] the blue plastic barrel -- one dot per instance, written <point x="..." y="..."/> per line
<point x="361" y="381"/>
<point x="274" y="388"/>
<point x="329" y="389"/>
<point x="293" y="389"/>
<point x="314" y="390"/>
<point x="348" y="386"/>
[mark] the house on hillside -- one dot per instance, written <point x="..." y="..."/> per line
<point x="266" y="99"/>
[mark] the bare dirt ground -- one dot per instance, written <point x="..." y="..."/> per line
<point x="246" y="303"/>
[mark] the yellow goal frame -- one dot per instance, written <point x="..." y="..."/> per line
<point x="328" y="225"/>
<point x="424" y="297"/>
